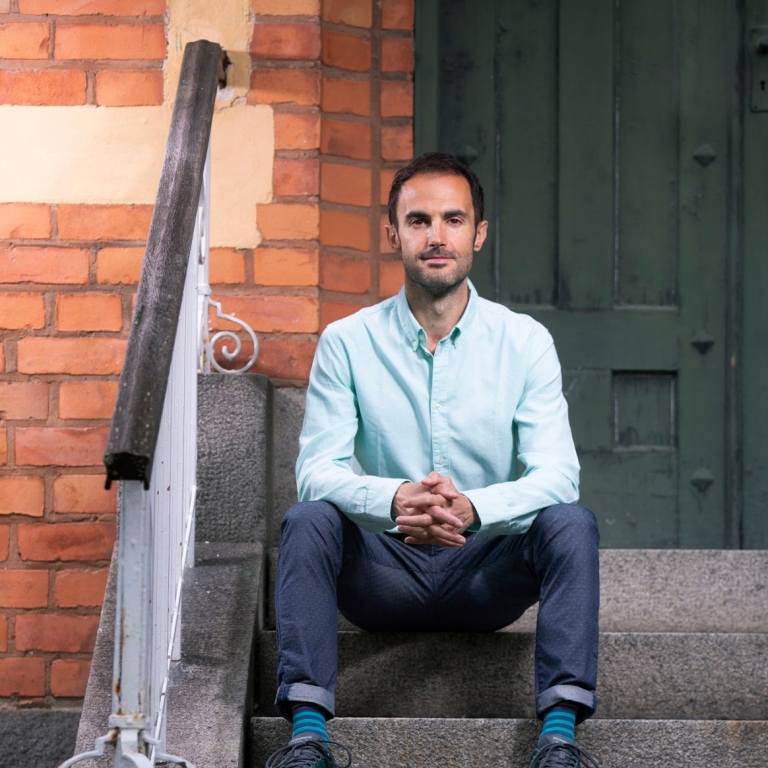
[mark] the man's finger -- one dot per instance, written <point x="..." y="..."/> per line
<point x="424" y="500"/>
<point x="435" y="535"/>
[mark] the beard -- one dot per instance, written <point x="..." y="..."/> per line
<point x="438" y="281"/>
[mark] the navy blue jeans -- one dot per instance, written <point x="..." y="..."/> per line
<point x="382" y="584"/>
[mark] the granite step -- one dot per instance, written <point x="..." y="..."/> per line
<point x="660" y="590"/>
<point x="507" y="743"/>
<point x="695" y="676"/>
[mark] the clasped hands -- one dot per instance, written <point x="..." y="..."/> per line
<point x="433" y="512"/>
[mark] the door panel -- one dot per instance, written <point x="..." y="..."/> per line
<point x="601" y="131"/>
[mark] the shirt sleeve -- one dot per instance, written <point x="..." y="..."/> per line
<point x="544" y="447"/>
<point x="325" y="469"/>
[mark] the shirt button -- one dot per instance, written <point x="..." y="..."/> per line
<point x="439" y="407"/>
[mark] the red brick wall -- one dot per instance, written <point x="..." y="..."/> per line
<point x="68" y="52"/>
<point x="67" y="275"/>
<point x="338" y="75"/>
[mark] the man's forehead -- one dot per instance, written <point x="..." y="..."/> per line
<point x="440" y="190"/>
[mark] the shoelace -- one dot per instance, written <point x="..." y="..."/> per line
<point x="307" y="754"/>
<point x="559" y="755"/>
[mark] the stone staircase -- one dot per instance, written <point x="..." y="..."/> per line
<point x="683" y="657"/>
<point x="683" y="677"/>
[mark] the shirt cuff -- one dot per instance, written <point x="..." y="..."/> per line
<point x="497" y="514"/>
<point x="376" y="515"/>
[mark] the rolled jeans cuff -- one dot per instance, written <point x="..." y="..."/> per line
<point x="586" y="700"/>
<point x="288" y="695"/>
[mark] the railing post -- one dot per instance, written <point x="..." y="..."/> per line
<point x="130" y="691"/>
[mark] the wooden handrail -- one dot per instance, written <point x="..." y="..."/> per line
<point x="144" y="378"/>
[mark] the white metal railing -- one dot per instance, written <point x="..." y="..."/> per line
<point x="156" y="531"/>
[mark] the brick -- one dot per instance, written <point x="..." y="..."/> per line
<point x="397" y="14"/>
<point x="60" y="446"/>
<point x="104" y="222"/>
<point x="29" y="264"/>
<point x="346" y="139"/>
<point x="93" y="7"/>
<point x="2" y="357"/>
<point x="397" y="142"/>
<point x="397" y="54"/>
<point x="346" y="51"/>
<point x="89" y="312"/>
<point x="286" y="266"/>
<point x="49" y="87"/>
<point x="129" y="89"/>
<point x="23" y="589"/>
<point x="355" y="13"/>
<point x="69" y="677"/>
<point x="5" y="536"/>
<point x="5" y="6"/>
<point x="76" y="589"/>
<point x="22" y="676"/>
<point x="226" y="265"/>
<point x="348" y="230"/>
<point x="22" y="495"/>
<point x="296" y="176"/>
<point x="119" y="42"/>
<point x="285" y="359"/>
<point x="345" y="184"/>
<point x="297" y="41"/>
<point x="297" y="130"/>
<point x="397" y="98"/>
<point x="23" y="400"/>
<point x="24" y="41"/>
<point x="79" y="356"/>
<point x="24" y="220"/>
<point x="56" y="633"/>
<point x="3" y="446"/>
<point x="285" y="86"/>
<point x="21" y="310"/>
<point x="339" y="273"/>
<point x="3" y="641"/>
<point x="387" y="177"/>
<point x="62" y="542"/>
<point x="350" y="96"/>
<point x="332" y="311"/>
<point x="274" y="314"/>
<point x="87" y="399"/>
<point x="286" y="7"/>
<point x="83" y="494"/>
<point x="288" y="221"/>
<point x="119" y="265"/>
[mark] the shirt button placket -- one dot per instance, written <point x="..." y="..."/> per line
<point x="439" y="418"/>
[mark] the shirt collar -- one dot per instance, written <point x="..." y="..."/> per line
<point x="415" y="333"/>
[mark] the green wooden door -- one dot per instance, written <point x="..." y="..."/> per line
<point x="603" y="133"/>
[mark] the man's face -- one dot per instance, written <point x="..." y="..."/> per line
<point x="436" y="231"/>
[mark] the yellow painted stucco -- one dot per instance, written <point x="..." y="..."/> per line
<point x="97" y="155"/>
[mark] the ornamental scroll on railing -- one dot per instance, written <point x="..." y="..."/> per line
<point x="230" y="342"/>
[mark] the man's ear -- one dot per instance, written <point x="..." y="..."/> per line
<point x="392" y="237"/>
<point x="480" y="234"/>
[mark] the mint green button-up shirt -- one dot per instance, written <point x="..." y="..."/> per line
<point x="382" y="410"/>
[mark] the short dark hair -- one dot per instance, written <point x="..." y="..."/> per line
<point x="436" y="162"/>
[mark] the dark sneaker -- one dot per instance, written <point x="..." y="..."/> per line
<point x="307" y="752"/>
<point x="555" y="752"/>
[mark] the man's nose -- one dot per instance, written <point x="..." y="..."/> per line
<point x="436" y="234"/>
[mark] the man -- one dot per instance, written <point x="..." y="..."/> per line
<point x="418" y="412"/>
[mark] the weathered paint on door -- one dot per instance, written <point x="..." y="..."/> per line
<point x="607" y="135"/>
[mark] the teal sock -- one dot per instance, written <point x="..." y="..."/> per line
<point x="560" y="721"/>
<point x="308" y="720"/>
